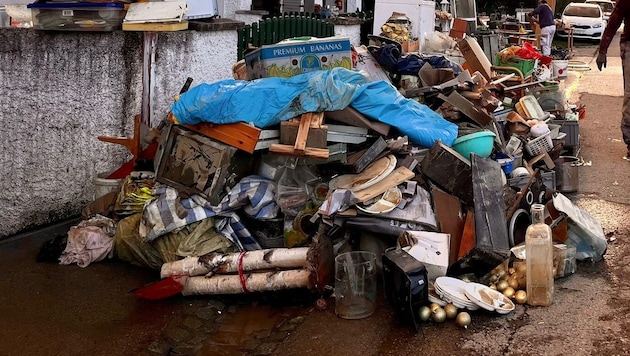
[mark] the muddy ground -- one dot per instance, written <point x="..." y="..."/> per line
<point x="47" y="309"/>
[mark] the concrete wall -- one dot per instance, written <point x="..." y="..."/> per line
<point x="61" y="89"/>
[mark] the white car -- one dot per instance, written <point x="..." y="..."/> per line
<point x="606" y="5"/>
<point x="586" y="20"/>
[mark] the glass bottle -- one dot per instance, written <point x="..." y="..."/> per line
<point x="539" y="259"/>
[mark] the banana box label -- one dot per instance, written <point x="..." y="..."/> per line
<point x="296" y="56"/>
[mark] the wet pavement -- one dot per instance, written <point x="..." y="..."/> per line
<point x="48" y="309"/>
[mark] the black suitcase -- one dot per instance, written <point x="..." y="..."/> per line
<point x="406" y="284"/>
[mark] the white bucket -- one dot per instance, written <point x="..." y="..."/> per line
<point x="560" y="68"/>
<point x="103" y="185"/>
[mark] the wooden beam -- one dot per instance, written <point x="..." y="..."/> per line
<point x="155" y="26"/>
<point x="302" y="134"/>
<point x="398" y="176"/>
<point x="239" y="135"/>
<point x="308" y="151"/>
<point x="133" y="144"/>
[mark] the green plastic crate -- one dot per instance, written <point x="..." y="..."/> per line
<point x="526" y="66"/>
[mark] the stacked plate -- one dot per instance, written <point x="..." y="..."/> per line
<point x="453" y="290"/>
<point x="488" y="298"/>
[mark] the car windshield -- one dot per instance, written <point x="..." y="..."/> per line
<point x="582" y="11"/>
<point x="606" y="6"/>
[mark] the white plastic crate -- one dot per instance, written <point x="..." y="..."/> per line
<point x="539" y="145"/>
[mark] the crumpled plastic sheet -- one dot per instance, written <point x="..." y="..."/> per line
<point x="267" y="102"/>
<point x="585" y="232"/>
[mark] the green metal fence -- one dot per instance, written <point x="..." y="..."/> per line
<point x="276" y="29"/>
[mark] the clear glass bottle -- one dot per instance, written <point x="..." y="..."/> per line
<point x="539" y="259"/>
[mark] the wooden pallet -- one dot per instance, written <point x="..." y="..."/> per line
<point x="299" y="149"/>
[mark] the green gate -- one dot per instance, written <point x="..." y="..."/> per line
<point x="276" y="29"/>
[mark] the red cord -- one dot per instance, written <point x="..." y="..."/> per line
<point x="240" y="272"/>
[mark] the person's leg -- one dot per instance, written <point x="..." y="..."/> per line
<point x="545" y="40"/>
<point x="625" y="114"/>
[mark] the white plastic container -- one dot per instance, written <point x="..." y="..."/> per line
<point x="104" y="185"/>
<point x="560" y="68"/>
<point x="541" y="129"/>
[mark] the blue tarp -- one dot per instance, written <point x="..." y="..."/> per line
<point x="267" y="102"/>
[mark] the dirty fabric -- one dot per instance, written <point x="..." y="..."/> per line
<point x="267" y="102"/>
<point x="196" y="239"/>
<point x="90" y="241"/>
<point x="389" y="58"/>
<point x="169" y="212"/>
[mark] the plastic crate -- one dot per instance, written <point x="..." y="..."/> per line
<point x="526" y="66"/>
<point x="572" y="129"/>
<point x="538" y="145"/>
<point x="76" y="16"/>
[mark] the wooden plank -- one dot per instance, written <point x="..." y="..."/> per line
<point x="302" y="134"/>
<point x="318" y="119"/>
<point x="448" y="211"/>
<point x="133" y="144"/>
<point x="239" y="135"/>
<point x="490" y="227"/>
<point x="450" y="171"/>
<point x="398" y="176"/>
<point x="308" y="151"/>
<point x="317" y="136"/>
<point x="469" y="240"/>
<point x="467" y="108"/>
<point x="157" y="27"/>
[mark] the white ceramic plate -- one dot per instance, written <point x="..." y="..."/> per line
<point x="435" y="298"/>
<point x="489" y="298"/>
<point x="453" y="290"/>
<point x="388" y="202"/>
<point x="371" y="175"/>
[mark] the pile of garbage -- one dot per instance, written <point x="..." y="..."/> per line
<point x="258" y="185"/>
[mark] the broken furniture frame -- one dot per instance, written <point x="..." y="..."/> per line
<point x="299" y="149"/>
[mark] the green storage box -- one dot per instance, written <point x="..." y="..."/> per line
<point x="526" y="66"/>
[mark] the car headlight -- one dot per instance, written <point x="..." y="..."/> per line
<point x="597" y="25"/>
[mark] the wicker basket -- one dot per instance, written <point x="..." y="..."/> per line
<point x="539" y="145"/>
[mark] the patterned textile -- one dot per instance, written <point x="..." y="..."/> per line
<point x="169" y="211"/>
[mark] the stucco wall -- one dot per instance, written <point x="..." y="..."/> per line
<point x="61" y="89"/>
<point x="204" y="56"/>
<point x="353" y="32"/>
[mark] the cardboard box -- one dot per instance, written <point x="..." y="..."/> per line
<point x="296" y="56"/>
<point x="475" y="56"/>
<point x="410" y="46"/>
<point x="367" y="63"/>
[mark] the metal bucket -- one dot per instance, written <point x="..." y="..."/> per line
<point x="567" y="174"/>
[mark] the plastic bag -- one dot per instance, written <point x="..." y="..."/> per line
<point x="438" y="42"/>
<point x="295" y="188"/>
<point x="528" y="52"/>
<point x="585" y="232"/>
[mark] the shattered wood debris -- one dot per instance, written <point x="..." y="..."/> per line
<point x="385" y="171"/>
